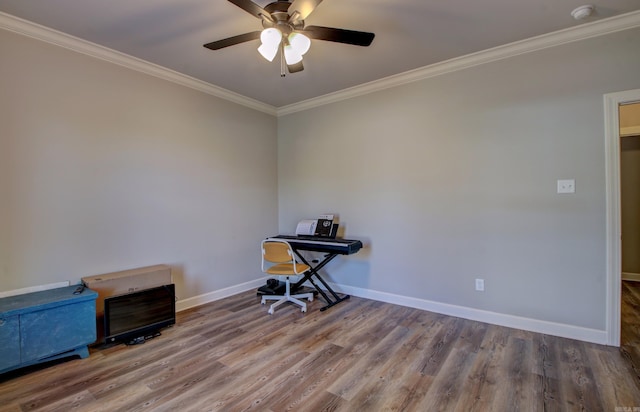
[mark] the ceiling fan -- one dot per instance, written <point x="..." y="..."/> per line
<point x="285" y="32"/>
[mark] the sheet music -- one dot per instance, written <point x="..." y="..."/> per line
<point x="306" y="227"/>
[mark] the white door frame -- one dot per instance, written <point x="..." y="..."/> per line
<point x="614" y="249"/>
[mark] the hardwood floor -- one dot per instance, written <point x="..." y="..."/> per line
<point x="360" y="355"/>
<point x="630" y="323"/>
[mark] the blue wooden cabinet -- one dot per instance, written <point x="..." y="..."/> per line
<point x="42" y="326"/>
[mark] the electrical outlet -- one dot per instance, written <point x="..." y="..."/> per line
<point x="566" y="186"/>
<point x="480" y="285"/>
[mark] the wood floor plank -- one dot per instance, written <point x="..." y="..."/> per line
<point x="485" y="378"/>
<point x="82" y="379"/>
<point x="324" y="401"/>
<point x="161" y="370"/>
<point x="618" y="390"/>
<point x="11" y="408"/>
<point x="471" y="336"/>
<point x="121" y="399"/>
<point x="304" y="372"/>
<point x="340" y="320"/>
<point x="446" y="388"/>
<point x="220" y="394"/>
<point x="441" y="345"/>
<point x="547" y="370"/>
<point x="300" y="386"/>
<point x="578" y="381"/>
<point x="79" y="401"/>
<point x="196" y="398"/>
<point x="365" y="369"/>
<point x="397" y="379"/>
<point x="361" y="355"/>
<point x="187" y="381"/>
<point x="630" y="324"/>
<point x="516" y="391"/>
<point x="367" y="322"/>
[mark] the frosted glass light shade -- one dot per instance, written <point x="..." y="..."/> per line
<point x="271" y="36"/>
<point x="268" y="51"/>
<point x="270" y="39"/>
<point x="299" y="42"/>
<point x="291" y="55"/>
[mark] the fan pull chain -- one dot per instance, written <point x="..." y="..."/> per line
<point x="282" y="62"/>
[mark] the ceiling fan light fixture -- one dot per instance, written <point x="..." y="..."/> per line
<point x="270" y="39"/>
<point x="291" y="55"/>
<point x="299" y="42"/>
<point x="268" y="51"/>
<point x="271" y="36"/>
<point x="284" y="29"/>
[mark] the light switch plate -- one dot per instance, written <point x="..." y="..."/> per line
<point x="566" y="186"/>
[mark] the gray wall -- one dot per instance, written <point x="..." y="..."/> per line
<point x="453" y="178"/>
<point x="103" y="168"/>
<point x="446" y="180"/>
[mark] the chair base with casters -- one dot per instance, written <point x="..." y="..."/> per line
<point x="287" y="297"/>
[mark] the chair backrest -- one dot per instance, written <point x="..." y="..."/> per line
<point x="280" y="252"/>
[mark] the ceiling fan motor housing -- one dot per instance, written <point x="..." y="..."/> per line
<point x="280" y="19"/>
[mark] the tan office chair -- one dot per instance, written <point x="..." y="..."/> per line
<point x="278" y="259"/>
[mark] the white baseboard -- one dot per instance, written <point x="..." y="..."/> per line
<point x="517" y="322"/>
<point x="218" y="294"/>
<point x="634" y="277"/>
<point x="30" y="289"/>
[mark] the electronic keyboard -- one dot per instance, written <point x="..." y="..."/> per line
<point x="320" y="244"/>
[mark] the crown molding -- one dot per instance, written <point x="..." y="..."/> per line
<point x="581" y="32"/>
<point x="597" y="28"/>
<point x="39" y="32"/>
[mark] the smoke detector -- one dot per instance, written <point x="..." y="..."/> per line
<point x="582" y="12"/>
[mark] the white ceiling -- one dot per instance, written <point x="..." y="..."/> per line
<point x="409" y="34"/>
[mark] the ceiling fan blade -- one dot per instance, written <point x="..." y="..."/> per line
<point x="295" y="68"/>
<point x="241" y="38"/>
<point x="251" y="8"/>
<point x="303" y="7"/>
<point x="357" y="38"/>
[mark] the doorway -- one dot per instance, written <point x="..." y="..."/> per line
<point x="612" y="103"/>
<point x="629" y="117"/>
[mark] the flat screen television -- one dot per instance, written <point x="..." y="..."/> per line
<point x="135" y="317"/>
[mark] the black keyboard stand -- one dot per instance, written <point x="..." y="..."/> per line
<point x="331" y="248"/>
<point x="309" y="275"/>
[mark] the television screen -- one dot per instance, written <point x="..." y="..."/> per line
<point x="135" y="316"/>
